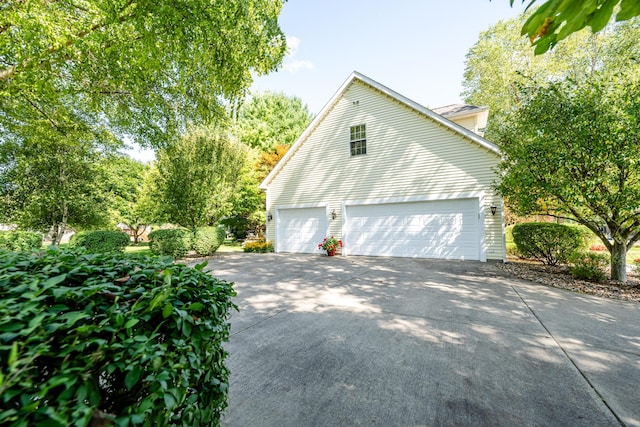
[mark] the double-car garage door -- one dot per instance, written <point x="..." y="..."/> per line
<point x="447" y="229"/>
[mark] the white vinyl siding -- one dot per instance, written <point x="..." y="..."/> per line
<point x="413" y="157"/>
<point x="467" y="122"/>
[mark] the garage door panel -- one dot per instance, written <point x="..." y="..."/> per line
<point x="437" y="229"/>
<point x="300" y="229"/>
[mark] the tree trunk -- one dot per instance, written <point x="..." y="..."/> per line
<point x="619" y="261"/>
<point x="54" y="233"/>
<point x="61" y="226"/>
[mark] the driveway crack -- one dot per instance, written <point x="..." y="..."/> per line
<point x="575" y="365"/>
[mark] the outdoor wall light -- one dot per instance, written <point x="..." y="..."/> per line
<point x="269" y="216"/>
<point x="493" y="209"/>
<point x="333" y="214"/>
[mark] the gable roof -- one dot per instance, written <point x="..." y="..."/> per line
<point x="458" y="110"/>
<point x="356" y="76"/>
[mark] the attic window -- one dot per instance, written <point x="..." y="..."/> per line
<point x="358" y="140"/>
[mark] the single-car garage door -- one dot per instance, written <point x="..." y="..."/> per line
<point x="299" y="230"/>
<point x="435" y="229"/>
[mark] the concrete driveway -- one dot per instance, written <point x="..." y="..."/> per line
<point x="339" y="341"/>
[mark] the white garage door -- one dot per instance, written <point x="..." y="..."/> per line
<point x="436" y="229"/>
<point x="299" y="230"/>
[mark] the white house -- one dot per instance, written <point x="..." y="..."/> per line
<point x="390" y="178"/>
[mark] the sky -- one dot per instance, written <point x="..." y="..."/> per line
<point x="415" y="47"/>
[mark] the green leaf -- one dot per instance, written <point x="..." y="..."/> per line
<point x="159" y="298"/>
<point x="132" y="377"/>
<point x="602" y="15"/>
<point x="52" y="281"/>
<point x="167" y="310"/>
<point x="201" y="266"/>
<point x="119" y="320"/>
<point x="137" y="418"/>
<point x="13" y="355"/>
<point x="169" y="400"/>
<point x="186" y="328"/>
<point x="73" y="316"/>
<point x="628" y="10"/>
<point x="196" y="306"/>
<point x="131" y="323"/>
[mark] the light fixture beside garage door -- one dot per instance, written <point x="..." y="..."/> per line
<point x="269" y="216"/>
<point x="333" y="214"/>
<point x="493" y="209"/>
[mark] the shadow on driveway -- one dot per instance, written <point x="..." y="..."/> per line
<point x="388" y="341"/>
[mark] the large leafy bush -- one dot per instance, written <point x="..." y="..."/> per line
<point x="118" y="339"/>
<point x="20" y="240"/>
<point x="96" y="241"/>
<point x="548" y="242"/>
<point x="207" y="240"/>
<point x="174" y="242"/>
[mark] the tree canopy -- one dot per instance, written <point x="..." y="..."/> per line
<point x="51" y="181"/>
<point x="555" y="20"/>
<point x="137" y="67"/>
<point x="198" y="174"/>
<point x="579" y="56"/>
<point x="572" y="149"/>
<point x="269" y="119"/>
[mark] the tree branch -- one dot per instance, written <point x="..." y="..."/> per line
<point x="42" y="113"/>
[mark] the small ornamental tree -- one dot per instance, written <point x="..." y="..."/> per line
<point x="111" y="339"/>
<point x="198" y="174"/>
<point x="573" y="149"/>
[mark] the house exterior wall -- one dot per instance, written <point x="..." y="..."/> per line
<point x="475" y="123"/>
<point x="409" y="156"/>
<point x="468" y="122"/>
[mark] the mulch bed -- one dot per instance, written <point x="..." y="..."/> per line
<point x="559" y="277"/>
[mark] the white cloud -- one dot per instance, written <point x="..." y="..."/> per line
<point x="292" y="45"/>
<point x="293" y="66"/>
<point x="291" y="63"/>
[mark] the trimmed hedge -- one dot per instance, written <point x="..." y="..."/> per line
<point x="96" y="241"/>
<point x="20" y="240"/>
<point x="174" y="242"/>
<point x="258" y="246"/>
<point x="111" y="339"/>
<point x="207" y="240"/>
<point x="548" y="242"/>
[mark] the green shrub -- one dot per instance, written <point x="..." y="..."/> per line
<point x="20" y="240"/>
<point x="207" y="240"/>
<point x="97" y="241"/>
<point x="589" y="266"/>
<point x="258" y="246"/>
<point x="546" y="241"/>
<point x="110" y="339"/>
<point x="174" y="242"/>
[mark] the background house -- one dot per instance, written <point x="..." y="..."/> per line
<point x="390" y="178"/>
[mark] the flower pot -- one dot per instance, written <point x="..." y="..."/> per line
<point x="331" y="252"/>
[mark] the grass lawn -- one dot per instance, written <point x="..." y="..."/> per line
<point x="230" y="246"/>
<point x="142" y="249"/>
<point x="633" y="253"/>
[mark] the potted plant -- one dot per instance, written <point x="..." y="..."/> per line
<point x="330" y="244"/>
